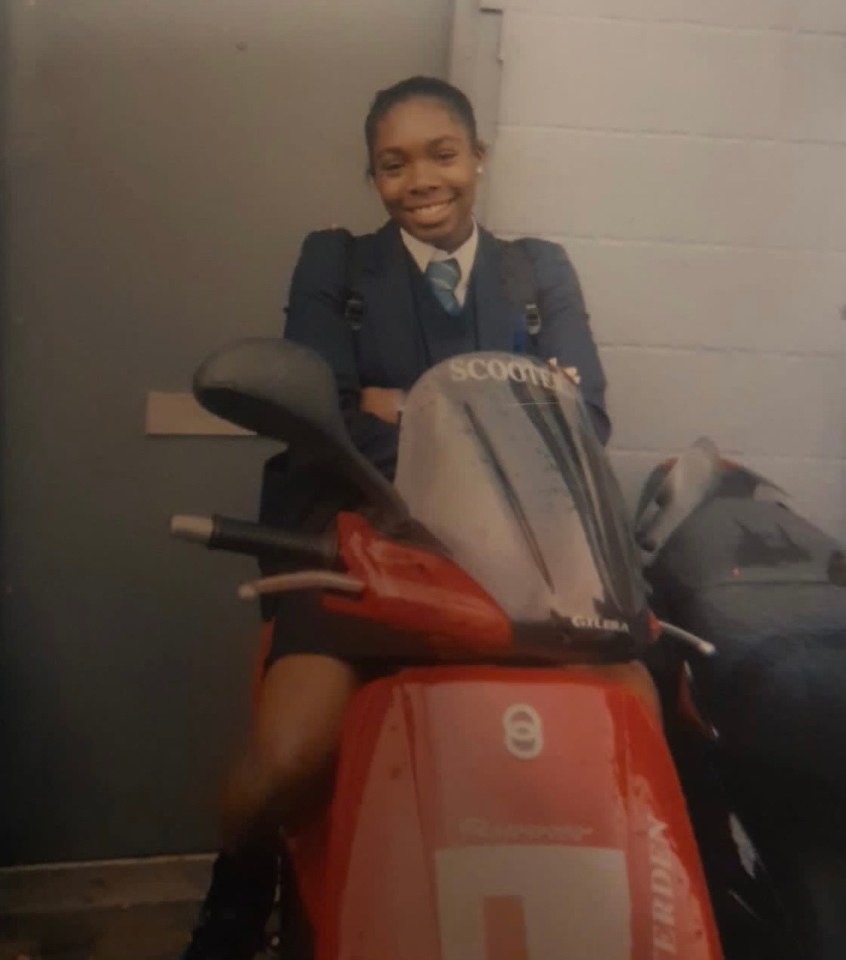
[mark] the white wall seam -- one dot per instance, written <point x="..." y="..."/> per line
<point x="678" y="241"/>
<point x="669" y="134"/>
<point x="699" y="24"/>
<point x="766" y="16"/>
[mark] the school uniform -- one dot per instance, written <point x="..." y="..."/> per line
<point x="404" y="331"/>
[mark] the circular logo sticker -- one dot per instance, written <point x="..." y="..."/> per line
<point x="523" y="729"/>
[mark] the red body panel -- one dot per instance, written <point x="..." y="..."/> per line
<point x="483" y="814"/>
<point x="416" y="591"/>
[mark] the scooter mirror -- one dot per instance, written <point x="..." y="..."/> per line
<point x="279" y="389"/>
<point x="691" y="480"/>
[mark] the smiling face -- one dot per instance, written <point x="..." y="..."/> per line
<point x="424" y="167"/>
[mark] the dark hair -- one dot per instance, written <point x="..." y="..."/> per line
<point x="451" y="97"/>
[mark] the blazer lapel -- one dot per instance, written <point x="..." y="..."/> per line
<point x="498" y="319"/>
<point x="396" y="343"/>
<point x="390" y="327"/>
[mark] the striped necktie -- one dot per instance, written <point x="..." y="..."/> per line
<point x="443" y="275"/>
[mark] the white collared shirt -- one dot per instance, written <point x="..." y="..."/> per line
<point x="424" y="253"/>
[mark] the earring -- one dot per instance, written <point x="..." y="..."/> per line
<point x="479" y="170"/>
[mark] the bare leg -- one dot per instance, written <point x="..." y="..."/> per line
<point x="284" y="775"/>
<point x="287" y="769"/>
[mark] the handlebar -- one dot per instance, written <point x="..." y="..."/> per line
<point x="703" y="647"/>
<point x="255" y="539"/>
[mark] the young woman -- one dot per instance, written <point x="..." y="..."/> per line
<point x="430" y="285"/>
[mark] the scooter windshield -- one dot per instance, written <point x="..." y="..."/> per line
<point x="498" y="459"/>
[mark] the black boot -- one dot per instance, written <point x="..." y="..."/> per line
<point x="294" y="939"/>
<point x="233" y="917"/>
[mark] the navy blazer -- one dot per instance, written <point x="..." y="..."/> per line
<point x="396" y="344"/>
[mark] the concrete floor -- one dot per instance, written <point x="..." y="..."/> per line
<point x="151" y="931"/>
<point x="116" y="910"/>
<point x="142" y="932"/>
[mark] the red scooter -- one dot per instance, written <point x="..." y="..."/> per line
<point x="511" y="797"/>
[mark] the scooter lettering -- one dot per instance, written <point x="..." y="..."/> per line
<point x="478" y="368"/>
<point x="457" y="370"/>
<point x="662" y="890"/>
<point x="599" y="623"/>
<point x="518" y="832"/>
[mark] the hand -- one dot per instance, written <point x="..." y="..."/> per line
<point x="382" y="403"/>
<point x="571" y="372"/>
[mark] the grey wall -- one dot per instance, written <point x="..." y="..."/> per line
<point x="163" y="161"/>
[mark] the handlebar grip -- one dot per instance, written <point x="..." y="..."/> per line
<point x="255" y="539"/>
<point x="196" y="529"/>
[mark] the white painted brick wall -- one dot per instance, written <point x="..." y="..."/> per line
<point x="757" y="403"/>
<point x="662" y="294"/>
<point x="669" y="187"/>
<point x="691" y="156"/>
<point x="632" y="75"/>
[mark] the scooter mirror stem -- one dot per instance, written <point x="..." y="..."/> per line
<point x="287" y="392"/>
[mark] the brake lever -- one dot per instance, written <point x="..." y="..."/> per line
<point x="301" y="580"/>
<point x="703" y="647"/>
